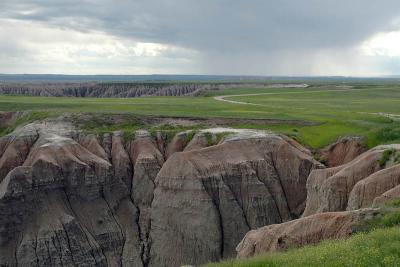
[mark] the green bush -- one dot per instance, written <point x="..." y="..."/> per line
<point x="385" y="157"/>
<point x="389" y="134"/>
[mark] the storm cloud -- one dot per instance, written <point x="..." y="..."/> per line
<point x="297" y="37"/>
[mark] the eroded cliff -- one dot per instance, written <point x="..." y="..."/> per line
<point x="72" y="199"/>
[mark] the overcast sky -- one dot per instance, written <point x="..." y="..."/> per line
<point x="247" y="37"/>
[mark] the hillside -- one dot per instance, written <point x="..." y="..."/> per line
<point x="374" y="244"/>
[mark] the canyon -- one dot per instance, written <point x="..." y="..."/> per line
<point x="72" y="198"/>
<point x="125" y="89"/>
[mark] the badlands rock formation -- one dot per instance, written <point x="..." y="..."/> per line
<point x="353" y="185"/>
<point x="301" y="232"/>
<point x="125" y="89"/>
<point x="209" y="198"/>
<point x="368" y="180"/>
<point x="343" y="151"/>
<point x="7" y="118"/>
<point x="70" y="199"/>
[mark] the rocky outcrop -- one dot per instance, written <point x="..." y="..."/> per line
<point x="64" y="206"/>
<point x="365" y="191"/>
<point x="91" y="143"/>
<point x="120" y="160"/>
<point x="305" y="231"/>
<point x="74" y="199"/>
<point x="178" y="143"/>
<point x="14" y="150"/>
<point x="147" y="161"/>
<point x="125" y="89"/>
<point x="204" y="203"/>
<point x="343" y="151"/>
<point x="199" y="141"/>
<point x="352" y="185"/>
<point x="390" y="195"/>
<point x="8" y="118"/>
<point x="295" y="144"/>
<point x="368" y="180"/>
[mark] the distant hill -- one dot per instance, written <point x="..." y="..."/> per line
<point x="181" y="78"/>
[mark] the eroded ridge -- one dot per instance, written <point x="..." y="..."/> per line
<point x="74" y="199"/>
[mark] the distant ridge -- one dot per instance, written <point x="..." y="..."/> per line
<point x="123" y="78"/>
<point x="176" y="78"/>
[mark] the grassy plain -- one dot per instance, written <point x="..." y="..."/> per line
<point x="337" y="111"/>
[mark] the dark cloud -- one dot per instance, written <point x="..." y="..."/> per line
<point x="221" y="29"/>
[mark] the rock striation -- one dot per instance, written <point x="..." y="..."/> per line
<point x="304" y="231"/>
<point x="343" y="151"/>
<point x="64" y="206"/>
<point x="338" y="198"/>
<point x="353" y="185"/>
<point x="207" y="199"/>
<point x="124" y="89"/>
<point x="8" y="118"/>
<point x="74" y="199"/>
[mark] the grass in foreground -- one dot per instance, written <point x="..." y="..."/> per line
<point x="380" y="247"/>
<point x="376" y="243"/>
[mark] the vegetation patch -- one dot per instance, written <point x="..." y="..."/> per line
<point x="189" y="136"/>
<point x="332" y="113"/>
<point x="379" y="247"/>
<point x="388" y="155"/>
<point x="27" y="117"/>
<point x="169" y="131"/>
<point x="214" y="139"/>
<point x="375" y="243"/>
<point x="385" y="157"/>
<point x="209" y="138"/>
<point x="389" y="216"/>
<point x="390" y="134"/>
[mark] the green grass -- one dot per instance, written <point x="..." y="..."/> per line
<point x="336" y="112"/>
<point x="100" y="124"/>
<point x="213" y="139"/>
<point x="376" y="243"/>
<point x="385" y="157"/>
<point x="26" y="118"/>
<point x="389" y="155"/>
<point x="379" y="247"/>
<point x="389" y="216"/>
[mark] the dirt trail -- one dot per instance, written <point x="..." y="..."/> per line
<point x="223" y="97"/>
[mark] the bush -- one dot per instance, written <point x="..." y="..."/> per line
<point x="385" y="157"/>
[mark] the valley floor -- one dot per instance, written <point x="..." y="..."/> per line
<point x="330" y="111"/>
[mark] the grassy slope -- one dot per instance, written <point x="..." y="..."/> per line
<point x="380" y="247"/>
<point x="377" y="243"/>
<point x="338" y="113"/>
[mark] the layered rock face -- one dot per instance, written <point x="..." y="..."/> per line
<point x="343" y="151"/>
<point x="337" y="199"/>
<point x="125" y="89"/>
<point x="353" y="185"/>
<point x="69" y="199"/>
<point x="207" y="199"/>
<point x="65" y="207"/>
<point x="7" y="118"/>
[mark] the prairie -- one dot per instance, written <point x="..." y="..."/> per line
<point x="371" y="111"/>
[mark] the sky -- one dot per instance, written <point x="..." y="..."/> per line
<point x="221" y="37"/>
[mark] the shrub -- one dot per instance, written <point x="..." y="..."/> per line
<point x="385" y="157"/>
